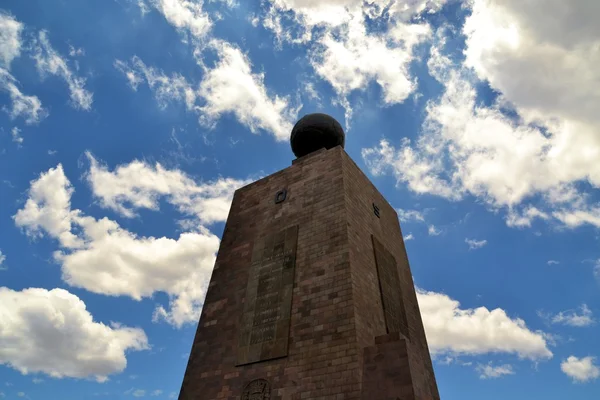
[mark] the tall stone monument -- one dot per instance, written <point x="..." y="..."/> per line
<point x="311" y="296"/>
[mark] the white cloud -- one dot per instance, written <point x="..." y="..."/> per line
<point x="166" y="89"/>
<point x="433" y="231"/>
<point x="410" y="215"/>
<point x="475" y="244"/>
<point x="10" y="39"/>
<point x="487" y="371"/>
<point x="545" y="64"/>
<point x="48" y="61"/>
<point x="156" y="392"/>
<point x="139" y="185"/>
<point x="408" y="166"/>
<point x="230" y="87"/>
<point x="580" y="369"/>
<point x="524" y="217"/>
<point x="310" y="13"/>
<point x="48" y="208"/>
<point x="22" y="105"/>
<point x="452" y="330"/>
<point x="2" y="259"/>
<point x="139" y="393"/>
<point x="553" y="262"/>
<point x="572" y="318"/>
<point x="353" y="59"/>
<point x="15" y="132"/>
<point x="51" y="332"/>
<point x="509" y="162"/>
<point x="342" y="50"/>
<point x="185" y="15"/>
<point x="102" y="257"/>
<point x="76" y="52"/>
<point x="408" y="237"/>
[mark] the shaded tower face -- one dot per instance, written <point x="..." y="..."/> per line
<point x="311" y="295"/>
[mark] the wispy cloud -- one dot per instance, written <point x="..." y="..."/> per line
<point x="487" y="371"/>
<point x="247" y="97"/>
<point x="50" y="62"/>
<point x="433" y="231"/>
<point x="475" y="244"/>
<point x="577" y="318"/>
<point x="25" y="106"/>
<point x="410" y="215"/>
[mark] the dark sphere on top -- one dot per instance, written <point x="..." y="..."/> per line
<point x="315" y="131"/>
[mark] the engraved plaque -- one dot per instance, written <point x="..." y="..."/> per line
<point x="391" y="292"/>
<point x="258" y="389"/>
<point x="265" y="322"/>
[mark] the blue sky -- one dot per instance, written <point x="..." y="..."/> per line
<point x="126" y="126"/>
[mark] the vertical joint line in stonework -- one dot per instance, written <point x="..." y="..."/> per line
<point x="387" y="328"/>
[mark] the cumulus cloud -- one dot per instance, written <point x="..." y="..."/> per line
<point x="139" y="185"/>
<point x="344" y="53"/>
<point x="408" y="237"/>
<point x="51" y="332"/>
<point x="185" y="15"/>
<point x="524" y="157"/>
<point x="545" y="64"/>
<point x="457" y="331"/>
<point x="357" y="58"/>
<point x="48" y="208"/>
<point x="102" y="257"/>
<point x="475" y="244"/>
<point x="581" y="370"/>
<point x="229" y="87"/>
<point x="488" y="371"/>
<point x="2" y="259"/>
<point x="50" y="62"/>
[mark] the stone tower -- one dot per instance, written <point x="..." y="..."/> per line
<point x="311" y="296"/>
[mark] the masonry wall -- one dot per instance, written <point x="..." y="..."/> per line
<point x="360" y="195"/>
<point x="322" y="359"/>
<point x="336" y="311"/>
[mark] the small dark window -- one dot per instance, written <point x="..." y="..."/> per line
<point x="280" y="196"/>
<point x="376" y="210"/>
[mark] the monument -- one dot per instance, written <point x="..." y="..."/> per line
<point x="311" y="296"/>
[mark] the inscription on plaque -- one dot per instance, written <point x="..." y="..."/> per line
<point x="258" y="389"/>
<point x="265" y="322"/>
<point x="389" y="285"/>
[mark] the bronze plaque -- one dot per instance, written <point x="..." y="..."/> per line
<point x="265" y="322"/>
<point x="391" y="293"/>
<point x="258" y="389"/>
